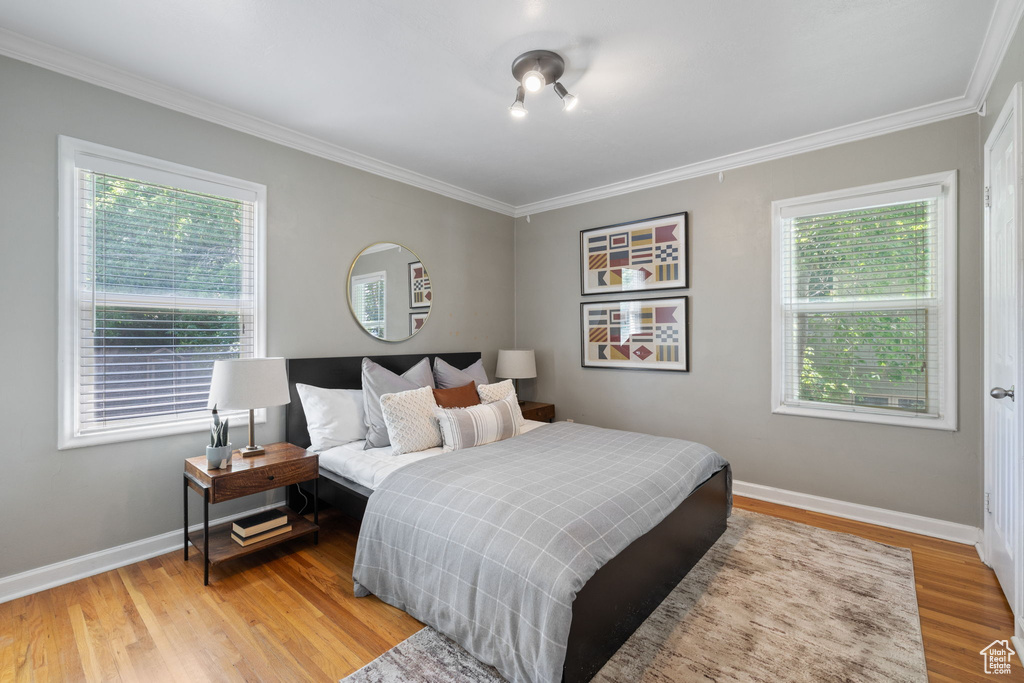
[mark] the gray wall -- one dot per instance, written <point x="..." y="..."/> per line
<point x="725" y="400"/>
<point x="56" y="505"/>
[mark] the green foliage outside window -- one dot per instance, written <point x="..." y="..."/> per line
<point x="857" y="355"/>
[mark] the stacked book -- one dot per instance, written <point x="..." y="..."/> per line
<point x="260" y="527"/>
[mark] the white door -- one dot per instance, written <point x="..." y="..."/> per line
<point x="1004" y="393"/>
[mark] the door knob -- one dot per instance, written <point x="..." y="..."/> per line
<point x="999" y="392"/>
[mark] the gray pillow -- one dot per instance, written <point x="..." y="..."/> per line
<point x="448" y="376"/>
<point x="378" y="381"/>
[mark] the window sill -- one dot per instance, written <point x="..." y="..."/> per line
<point x="947" y="423"/>
<point x="142" y="432"/>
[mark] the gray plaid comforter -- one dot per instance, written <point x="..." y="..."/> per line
<point x="490" y="545"/>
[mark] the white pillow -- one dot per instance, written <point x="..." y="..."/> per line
<point x="409" y="416"/>
<point x="479" y="425"/>
<point x="334" y="417"/>
<point x="489" y="393"/>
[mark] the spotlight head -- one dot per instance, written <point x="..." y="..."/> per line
<point x="518" y="108"/>
<point x="533" y="80"/>
<point x="569" y="100"/>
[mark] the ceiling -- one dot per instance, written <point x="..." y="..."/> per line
<point x="419" y="90"/>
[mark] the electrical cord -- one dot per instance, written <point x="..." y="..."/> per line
<point x="305" y="499"/>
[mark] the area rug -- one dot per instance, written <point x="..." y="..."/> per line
<point x="773" y="600"/>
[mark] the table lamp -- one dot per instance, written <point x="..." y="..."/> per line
<point x="248" y="384"/>
<point x="516" y="364"/>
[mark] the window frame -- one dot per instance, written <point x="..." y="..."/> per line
<point x="361" y="280"/>
<point x="72" y="153"/>
<point x="848" y="200"/>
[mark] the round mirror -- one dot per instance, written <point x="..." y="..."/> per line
<point x="389" y="291"/>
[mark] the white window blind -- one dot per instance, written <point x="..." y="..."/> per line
<point x="865" y="319"/>
<point x="164" y="282"/>
<point x="369" y="300"/>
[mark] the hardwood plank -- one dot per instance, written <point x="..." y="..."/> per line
<point x="288" y="613"/>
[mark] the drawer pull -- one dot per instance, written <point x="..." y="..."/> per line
<point x="270" y="477"/>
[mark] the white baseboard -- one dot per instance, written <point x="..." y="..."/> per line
<point x="904" y="521"/>
<point x="59" y="573"/>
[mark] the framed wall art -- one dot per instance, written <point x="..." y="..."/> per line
<point x="420" y="294"/>
<point x="640" y="334"/>
<point x="640" y="255"/>
<point x="416" y="320"/>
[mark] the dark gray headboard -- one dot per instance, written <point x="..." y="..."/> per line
<point x="345" y="372"/>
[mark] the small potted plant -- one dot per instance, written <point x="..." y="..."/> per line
<point x="218" y="453"/>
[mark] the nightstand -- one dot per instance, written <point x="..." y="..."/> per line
<point x="282" y="464"/>
<point x="541" y="412"/>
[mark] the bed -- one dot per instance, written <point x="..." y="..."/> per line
<point x="619" y="596"/>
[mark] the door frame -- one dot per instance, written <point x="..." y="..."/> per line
<point x="1013" y="109"/>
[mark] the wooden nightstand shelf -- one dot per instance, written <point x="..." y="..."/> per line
<point x="282" y="464"/>
<point x="542" y="412"/>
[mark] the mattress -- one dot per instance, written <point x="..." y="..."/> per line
<point x="370" y="467"/>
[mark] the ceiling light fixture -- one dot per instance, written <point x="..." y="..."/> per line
<point x="534" y="70"/>
<point x="568" y="99"/>
<point x="518" y="109"/>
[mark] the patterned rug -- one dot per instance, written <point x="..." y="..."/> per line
<point x="771" y="601"/>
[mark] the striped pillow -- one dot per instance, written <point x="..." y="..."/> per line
<point x="478" y="425"/>
<point x="489" y="393"/>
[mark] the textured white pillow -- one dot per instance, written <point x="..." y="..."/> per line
<point x="479" y="425"/>
<point x="489" y="393"/>
<point x="409" y="416"/>
<point x="334" y="417"/>
<point x="378" y="381"/>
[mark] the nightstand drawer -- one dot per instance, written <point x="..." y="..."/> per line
<point x="245" y="482"/>
<point x="541" y="412"/>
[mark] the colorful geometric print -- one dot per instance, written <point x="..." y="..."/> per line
<point x="642" y="255"/>
<point x="618" y="258"/>
<point x="641" y="237"/>
<point x="665" y="334"/>
<point x="666" y="233"/>
<point x="666" y="252"/>
<point x="639" y="333"/>
<point x="641" y="258"/>
<point x="667" y="354"/>
<point x="420" y="294"/>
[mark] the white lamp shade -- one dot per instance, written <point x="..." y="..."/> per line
<point x="516" y="364"/>
<point x="248" y="383"/>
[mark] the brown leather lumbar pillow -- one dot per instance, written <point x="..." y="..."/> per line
<point x="459" y="397"/>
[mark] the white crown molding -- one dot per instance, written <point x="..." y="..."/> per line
<point x="1006" y="15"/>
<point x="56" y="59"/>
<point x="830" y="138"/>
<point x="904" y="521"/>
<point x="60" y="573"/>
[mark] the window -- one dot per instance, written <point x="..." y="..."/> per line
<point x="369" y="300"/>
<point x="161" y="274"/>
<point x="864" y="298"/>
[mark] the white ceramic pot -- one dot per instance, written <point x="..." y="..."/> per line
<point x="218" y="457"/>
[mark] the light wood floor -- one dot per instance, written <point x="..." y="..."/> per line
<point x="288" y="614"/>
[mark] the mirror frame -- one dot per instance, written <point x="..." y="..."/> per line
<point x="348" y="293"/>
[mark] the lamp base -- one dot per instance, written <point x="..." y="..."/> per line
<point x="251" y="450"/>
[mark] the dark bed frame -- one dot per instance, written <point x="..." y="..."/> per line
<point x="618" y="597"/>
